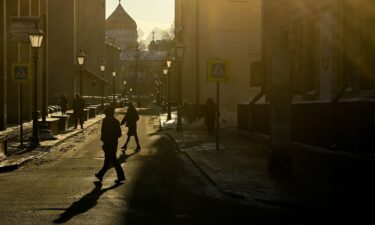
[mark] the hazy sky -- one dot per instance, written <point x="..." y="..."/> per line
<point x="147" y="13"/>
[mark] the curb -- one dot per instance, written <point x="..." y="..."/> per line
<point x="12" y="167"/>
<point x="213" y="182"/>
<point x="283" y="205"/>
<point x="71" y="135"/>
<point x="204" y="173"/>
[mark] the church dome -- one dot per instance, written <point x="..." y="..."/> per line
<point x="120" y="19"/>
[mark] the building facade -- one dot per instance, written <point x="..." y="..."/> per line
<point x="332" y="79"/>
<point x="331" y="43"/>
<point x="218" y="29"/>
<point x="68" y="26"/>
<point x="79" y="25"/>
<point x="13" y="51"/>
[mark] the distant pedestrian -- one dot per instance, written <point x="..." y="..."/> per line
<point x="130" y="120"/>
<point x="111" y="132"/>
<point x="78" y="106"/>
<point x="63" y="104"/>
<point x="210" y="110"/>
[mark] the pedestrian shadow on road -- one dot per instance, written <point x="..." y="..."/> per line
<point x="123" y="157"/>
<point x="84" y="204"/>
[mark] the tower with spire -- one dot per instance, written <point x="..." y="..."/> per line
<point x="121" y="28"/>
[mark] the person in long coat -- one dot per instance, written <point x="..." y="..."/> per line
<point x="63" y="104"/>
<point x="78" y="106"/>
<point x="111" y="132"/>
<point x="130" y="119"/>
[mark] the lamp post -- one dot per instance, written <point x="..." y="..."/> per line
<point x="165" y="72"/>
<point x="102" y="69"/>
<point x="81" y="60"/>
<point x="36" y="39"/>
<point x="180" y="50"/>
<point x="124" y="88"/>
<point x="93" y="91"/>
<point x="169" y="65"/>
<point x="114" y="86"/>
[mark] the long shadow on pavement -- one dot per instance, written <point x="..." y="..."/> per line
<point x="90" y="199"/>
<point x="84" y="204"/>
<point x="164" y="191"/>
<point x="123" y="157"/>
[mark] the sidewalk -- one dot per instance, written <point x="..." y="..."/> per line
<point x="18" y="156"/>
<point x="240" y="169"/>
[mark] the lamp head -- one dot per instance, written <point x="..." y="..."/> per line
<point x="102" y="65"/>
<point x="169" y="63"/>
<point x="36" y="38"/>
<point x="81" y="57"/>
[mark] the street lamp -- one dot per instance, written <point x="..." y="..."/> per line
<point x="169" y="65"/>
<point x="114" y="86"/>
<point x="81" y="60"/>
<point x="36" y="39"/>
<point x="93" y="91"/>
<point x="102" y="69"/>
<point x="180" y="50"/>
<point x="124" y="88"/>
<point x="165" y="72"/>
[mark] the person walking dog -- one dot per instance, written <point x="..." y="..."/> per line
<point x="111" y="132"/>
<point x="130" y="119"/>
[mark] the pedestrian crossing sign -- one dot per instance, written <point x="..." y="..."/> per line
<point x="21" y="72"/>
<point x="218" y="70"/>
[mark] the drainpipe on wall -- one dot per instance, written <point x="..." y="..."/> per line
<point x="263" y="86"/>
<point x="335" y="100"/>
<point x="3" y="77"/>
<point x="197" y="84"/>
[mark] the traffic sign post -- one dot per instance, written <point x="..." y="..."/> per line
<point x="218" y="71"/>
<point x="20" y="73"/>
<point x="20" y="27"/>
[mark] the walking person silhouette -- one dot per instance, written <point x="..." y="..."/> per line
<point x="63" y="104"/>
<point x="111" y="131"/>
<point x="78" y="109"/>
<point x="130" y="119"/>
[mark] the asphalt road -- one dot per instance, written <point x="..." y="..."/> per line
<point x="162" y="187"/>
